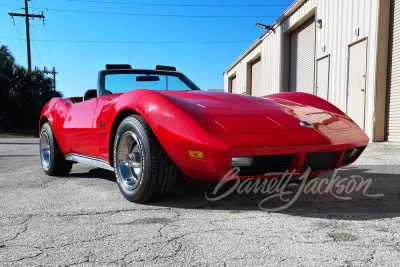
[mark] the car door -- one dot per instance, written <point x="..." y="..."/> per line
<point x="102" y="124"/>
<point x="78" y="128"/>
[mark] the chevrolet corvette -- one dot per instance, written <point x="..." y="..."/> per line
<point x="146" y="125"/>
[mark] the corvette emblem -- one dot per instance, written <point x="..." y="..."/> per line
<point x="306" y="124"/>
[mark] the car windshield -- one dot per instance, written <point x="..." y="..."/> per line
<point x="121" y="83"/>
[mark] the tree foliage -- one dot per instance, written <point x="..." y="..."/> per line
<point x="22" y="94"/>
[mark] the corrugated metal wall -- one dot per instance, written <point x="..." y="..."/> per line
<point x="340" y="19"/>
<point x="214" y="90"/>
<point x="393" y="110"/>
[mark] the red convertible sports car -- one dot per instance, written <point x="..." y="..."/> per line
<point x="146" y="124"/>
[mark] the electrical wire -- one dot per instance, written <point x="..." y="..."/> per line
<point x="156" y="15"/>
<point x="135" y="42"/>
<point x="19" y="37"/>
<point x="175" y="5"/>
<point x="45" y="35"/>
<point x="161" y="15"/>
<point x="34" y="45"/>
<point x="47" y="44"/>
<point x="10" y="5"/>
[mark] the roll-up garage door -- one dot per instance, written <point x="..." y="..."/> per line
<point x="302" y="51"/>
<point x="256" y="77"/>
<point x="393" y="106"/>
<point x="233" y="85"/>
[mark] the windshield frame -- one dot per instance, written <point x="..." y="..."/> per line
<point x="103" y="73"/>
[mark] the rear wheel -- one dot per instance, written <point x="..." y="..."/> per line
<point x="51" y="156"/>
<point x="143" y="169"/>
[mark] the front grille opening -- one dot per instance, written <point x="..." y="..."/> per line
<point x="319" y="161"/>
<point x="267" y="165"/>
<point x="350" y="155"/>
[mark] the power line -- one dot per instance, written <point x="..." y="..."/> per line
<point x="175" y="5"/>
<point x="37" y="53"/>
<point x="161" y="15"/>
<point x="20" y="39"/>
<point x="155" y="15"/>
<point x="10" y="5"/>
<point x="47" y="44"/>
<point x="135" y="42"/>
<point x="34" y="45"/>
<point x="26" y="15"/>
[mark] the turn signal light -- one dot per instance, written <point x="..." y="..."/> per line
<point x="195" y="154"/>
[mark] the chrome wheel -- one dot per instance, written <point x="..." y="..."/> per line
<point x="45" y="149"/>
<point x="130" y="161"/>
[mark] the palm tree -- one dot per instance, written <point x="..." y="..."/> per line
<point x="23" y="94"/>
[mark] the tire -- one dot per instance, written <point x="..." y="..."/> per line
<point x="143" y="169"/>
<point x="52" y="159"/>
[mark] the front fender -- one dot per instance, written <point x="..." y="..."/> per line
<point x="307" y="99"/>
<point x="178" y="125"/>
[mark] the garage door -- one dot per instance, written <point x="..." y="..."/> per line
<point x="302" y="51"/>
<point x="256" y="77"/>
<point x="393" y="108"/>
<point x="234" y="88"/>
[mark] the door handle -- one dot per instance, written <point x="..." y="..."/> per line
<point x="362" y="90"/>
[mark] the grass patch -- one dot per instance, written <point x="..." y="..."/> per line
<point x="18" y="133"/>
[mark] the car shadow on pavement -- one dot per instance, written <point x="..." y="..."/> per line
<point x="93" y="173"/>
<point x="381" y="199"/>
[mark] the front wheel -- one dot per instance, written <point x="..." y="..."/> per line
<point x="143" y="169"/>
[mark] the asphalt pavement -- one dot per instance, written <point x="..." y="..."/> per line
<point x="82" y="219"/>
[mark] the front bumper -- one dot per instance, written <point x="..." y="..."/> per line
<point x="302" y="149"/>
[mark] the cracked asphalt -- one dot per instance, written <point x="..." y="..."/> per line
<point x="82" y="219"/>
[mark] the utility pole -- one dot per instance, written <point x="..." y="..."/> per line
<point x="26" y="15"/>
<point x="53" y="72"/>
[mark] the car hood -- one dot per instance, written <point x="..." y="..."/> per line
<point x="287" y="114"/>
<point x="219" y="100"/>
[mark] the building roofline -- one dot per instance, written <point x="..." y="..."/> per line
<point x="282" y="18"/>
<point x="245" y="53"/>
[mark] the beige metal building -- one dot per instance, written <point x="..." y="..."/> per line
<point x="345" y="51"/>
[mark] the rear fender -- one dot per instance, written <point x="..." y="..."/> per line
<point x="46" y="114"/>
<point x="54" y="112"/>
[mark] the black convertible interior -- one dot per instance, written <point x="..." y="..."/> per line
<point x="90" y="94"/>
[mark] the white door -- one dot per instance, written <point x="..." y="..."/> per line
<point x="356" y="82"/>
<point x="322" y="88"/>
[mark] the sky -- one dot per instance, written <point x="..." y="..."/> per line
<point x="200" y="38"/>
